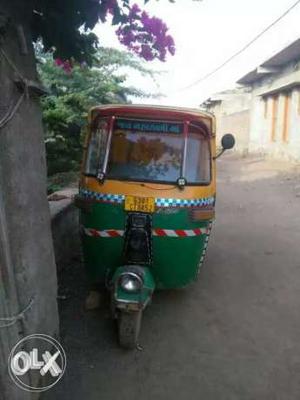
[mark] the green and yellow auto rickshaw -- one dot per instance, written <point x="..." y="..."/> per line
<point x="147" y="200"/>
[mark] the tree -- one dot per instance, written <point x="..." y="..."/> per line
<point x="28" y="272"/>
<point x="67" y="27"/>
<point x="72" y="94"/>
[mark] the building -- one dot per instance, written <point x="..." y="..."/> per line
<point x="232" y="111"/>
<point x="263" y="112"/>
<point x="275" y="105"/>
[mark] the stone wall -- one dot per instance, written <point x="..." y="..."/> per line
<point x="65" y="226"/>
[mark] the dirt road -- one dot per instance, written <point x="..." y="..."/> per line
<point x="233" y="335"/>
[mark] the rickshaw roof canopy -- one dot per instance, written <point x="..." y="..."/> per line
<point x="153" y="111"/>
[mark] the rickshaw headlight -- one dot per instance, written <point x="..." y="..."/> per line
<point x="131" y="282"/>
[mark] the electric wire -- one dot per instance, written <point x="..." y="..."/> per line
<point x="245" y="47"/>
<point x="13" y="319"/>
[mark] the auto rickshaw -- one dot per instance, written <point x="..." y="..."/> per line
<point x="147" y="202"/>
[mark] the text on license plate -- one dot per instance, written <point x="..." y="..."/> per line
<point x="142" y="204"/>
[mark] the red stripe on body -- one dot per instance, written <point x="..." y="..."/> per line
<point x="180" y="232"/>
<point x="197" y="231"/>
<point x="94" y="232"/>
<point x="160" y="232"/>
<point x="113" y="233"/>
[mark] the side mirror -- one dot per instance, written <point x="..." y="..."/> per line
<point x="227" y="142"/>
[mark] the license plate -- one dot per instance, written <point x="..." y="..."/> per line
<point x="142" y="204"/>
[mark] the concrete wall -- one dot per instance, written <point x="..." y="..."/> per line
<point x="238" y="124"/>
<point x="232" y="112"/>
<point x="65" y="227"/>
<point x="27" y="265"/>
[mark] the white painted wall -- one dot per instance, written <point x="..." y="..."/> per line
<point x="261" y="126"/>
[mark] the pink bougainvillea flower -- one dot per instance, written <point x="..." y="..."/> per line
<point x="66" y="65"/>
<point x="146" y="52"/>
<point x="59" y="62"/>
<point x="142" y="34"/>
<point x="134" y="11"/>
<point x="146" y="36"/>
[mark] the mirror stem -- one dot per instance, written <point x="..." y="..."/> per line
<point x="218" y="155"/>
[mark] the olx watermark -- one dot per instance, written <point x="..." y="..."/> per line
<point x="37" y="362"/>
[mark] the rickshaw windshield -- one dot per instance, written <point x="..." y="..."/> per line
<point x="152" y="151"/>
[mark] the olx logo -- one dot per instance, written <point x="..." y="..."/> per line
<point x="34" y="357"/>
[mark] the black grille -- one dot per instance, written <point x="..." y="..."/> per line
<point x="138" y="239"/>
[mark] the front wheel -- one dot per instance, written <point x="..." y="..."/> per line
<point x="129" y="326"/>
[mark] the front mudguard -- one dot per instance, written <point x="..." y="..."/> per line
<point x="130" y="302"/>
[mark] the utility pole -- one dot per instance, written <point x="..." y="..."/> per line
<point x="28" y="282"/>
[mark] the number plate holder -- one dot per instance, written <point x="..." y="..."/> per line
<point x="139" y="204"/>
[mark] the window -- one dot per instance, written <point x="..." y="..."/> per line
<point x="97" y="148"/>
<point x="152" y="156"/>
<point x="142" y="150"/>
<point x="198" y="159"/>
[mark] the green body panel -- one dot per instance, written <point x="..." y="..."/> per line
<point x="175" y="259"/>
<point x="102" y="255"/>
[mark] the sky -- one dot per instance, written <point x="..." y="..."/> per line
<point x="206" y="33"/>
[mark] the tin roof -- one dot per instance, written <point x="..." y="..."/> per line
<point x="283" y="57"/>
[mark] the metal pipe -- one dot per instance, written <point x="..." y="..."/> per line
<point x="101" y="174"/>
<point x="185" y="134"/>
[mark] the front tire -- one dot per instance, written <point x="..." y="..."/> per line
<point x="129" y="326"/>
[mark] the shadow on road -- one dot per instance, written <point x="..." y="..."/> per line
<point x="234" y="334"/>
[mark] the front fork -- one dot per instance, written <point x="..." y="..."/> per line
<point x="133" y="283"/>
